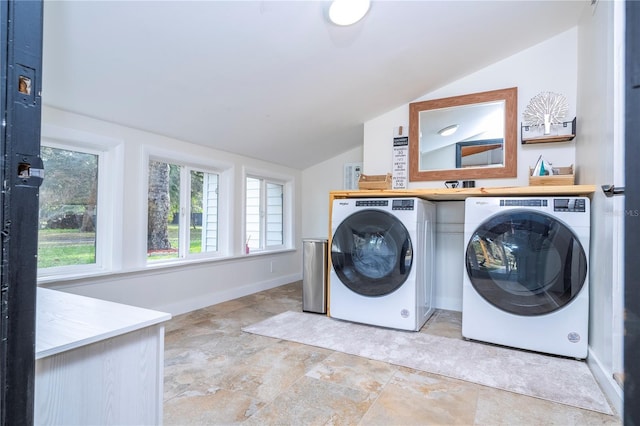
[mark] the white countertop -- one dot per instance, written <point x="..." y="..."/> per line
<point x="67" y="321"/>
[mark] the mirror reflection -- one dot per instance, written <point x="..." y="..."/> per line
<point x="464" y="137"/>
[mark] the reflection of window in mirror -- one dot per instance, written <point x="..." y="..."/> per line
<point x="480" y="153"/>
<point x="464" y="137"/>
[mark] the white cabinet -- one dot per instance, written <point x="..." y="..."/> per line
<point x="97" y="362"/>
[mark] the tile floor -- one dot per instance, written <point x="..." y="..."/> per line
<point x="215" y="374"/>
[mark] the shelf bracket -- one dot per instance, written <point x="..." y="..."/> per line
<point x="610" y="190"/>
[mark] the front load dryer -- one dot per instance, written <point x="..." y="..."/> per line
<point x="382" y="261"/>
<point x="526" y="282"/>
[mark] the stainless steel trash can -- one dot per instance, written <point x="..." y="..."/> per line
<point x="314" y="275"/>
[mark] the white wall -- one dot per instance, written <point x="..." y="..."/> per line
<point x="548" y="66"/>
<point x="600" y="68"/>
<point x="175" y="289"/>
<point x="317" y="182"/>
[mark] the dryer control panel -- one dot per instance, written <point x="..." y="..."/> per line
<point x="569" y="205"/>
<point x="559" y="204"/>
<point x="402" y="204"/>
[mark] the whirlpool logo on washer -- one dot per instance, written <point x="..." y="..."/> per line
<point x="405" y="313"/>
<point x="573" y="337"/>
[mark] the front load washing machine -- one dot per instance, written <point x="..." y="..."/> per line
<point x="526" y="281"/>
<point x="382" y="261"/>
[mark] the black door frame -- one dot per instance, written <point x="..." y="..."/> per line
<point x="21" y="170"/>
<point x="631" y="413"/>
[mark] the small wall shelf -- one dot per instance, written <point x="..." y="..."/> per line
<point x="566" y="131"/>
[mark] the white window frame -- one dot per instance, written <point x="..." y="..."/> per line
<point x="205" y="208"/>
<point x="109" y="223"/>
<point x="287" y="209"/>
<point x="187" y="164"/>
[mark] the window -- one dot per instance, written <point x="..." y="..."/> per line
<point x="78" y="204"/>
<point x="79" y="208"/>
<point x="183" y="217"/>
<point x="68" y="208"/>
<point x="265" y="215"/>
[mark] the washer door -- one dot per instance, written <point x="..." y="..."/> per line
<point x="526" y="263"/>
<point x="371" y="253"/>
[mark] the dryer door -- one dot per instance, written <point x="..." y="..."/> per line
<point x="371" y="253"/>
<point x="526" y="262"/>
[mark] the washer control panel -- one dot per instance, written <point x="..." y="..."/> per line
<point x="372" y="203"/>
<point x="569" y="205"/>
<point x="523" y="203"/>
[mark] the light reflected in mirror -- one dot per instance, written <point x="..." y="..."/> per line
<point x="482" y="144"/>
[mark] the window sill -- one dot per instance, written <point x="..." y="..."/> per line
<point x="266" y="252"/>
<point x="51" y="281"/>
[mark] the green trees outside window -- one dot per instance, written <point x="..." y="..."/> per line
<point x="68" y="208"/>
<point x="182" y="211"/>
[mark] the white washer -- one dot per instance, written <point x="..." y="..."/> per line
<point x="382" y="261"/>
<point x="526" y="282"/>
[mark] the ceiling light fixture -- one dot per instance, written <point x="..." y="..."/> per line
<point x="449" y="130"/>
<point x="348" y="12"/>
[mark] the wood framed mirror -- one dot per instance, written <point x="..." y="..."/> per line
<point x="464" y="137"/>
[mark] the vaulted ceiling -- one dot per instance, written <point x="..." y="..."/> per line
<point x="274" y="80"/>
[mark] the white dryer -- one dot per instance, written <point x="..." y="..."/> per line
<point x="526" y="282"/>
<point x="382" y="261"/>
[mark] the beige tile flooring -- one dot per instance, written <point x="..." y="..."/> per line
<point x="216" y="374"/>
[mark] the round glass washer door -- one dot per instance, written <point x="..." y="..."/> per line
<point x="526" y="262"/>
<point x="371" y="253"/>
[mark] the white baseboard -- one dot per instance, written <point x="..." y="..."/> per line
<point x="188" y="305"/>
<point x="609" y="386"/>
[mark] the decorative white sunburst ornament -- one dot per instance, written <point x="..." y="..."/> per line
<point x="546" y="108"/>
